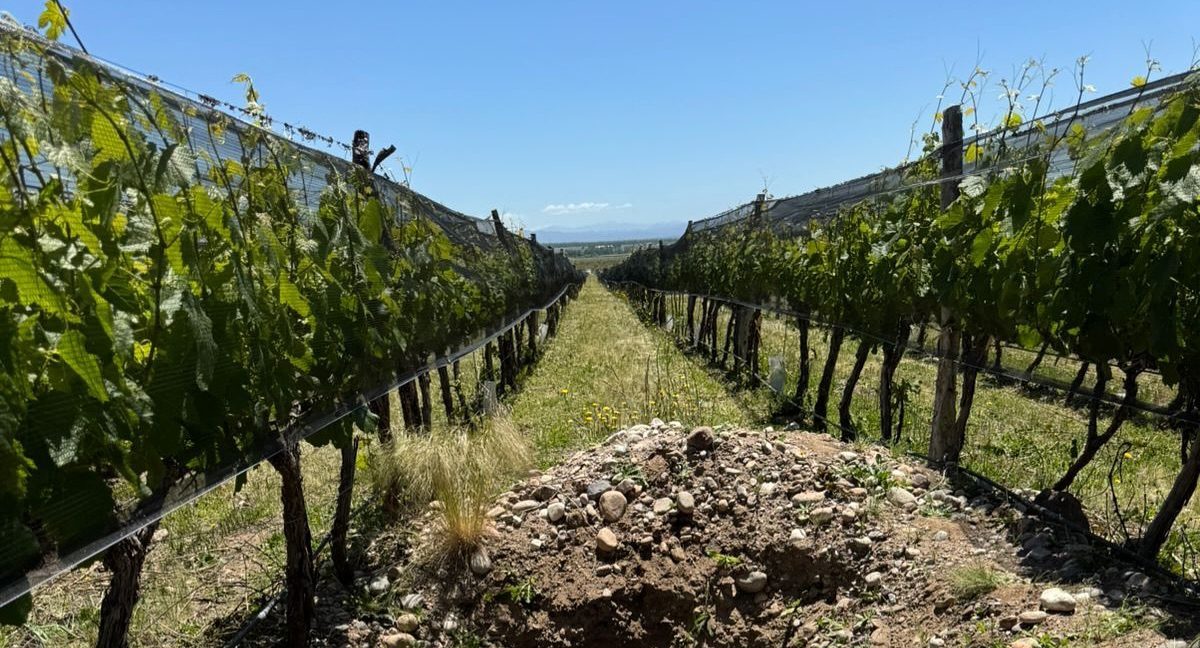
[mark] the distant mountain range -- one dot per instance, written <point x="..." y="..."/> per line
<point x="609" y="232"/>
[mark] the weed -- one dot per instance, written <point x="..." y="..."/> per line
<point x="523" y="592"/>
<point x="460" y="470"/>
<point x="724" y="561"/>
<point x="973" y="581"/>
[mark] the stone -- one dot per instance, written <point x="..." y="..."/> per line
<point x="752" y="583"/>
<point x="1031" y="617"/>
<point x="612" y="506"/>
<point x="1137" y="581"/>
<point x="847" y="456"/>
<point x="821" y="515"/>
<point x="767" y="489"/>
<point x="606" y="541"/>
<point x="379" y="584"/>
<point x="496" y="511"/>
<point x="1066" y="505"/>
<point x="1024" y="642"/>
<point x="628" y="488"/>
<point x="160" y="535"/>
<point x="480" y="562"/>
<point x="861" y="544"/>
<point x="1057" y="600"/>
<point x="412" y="601"/>
<point x="797" y="538"/>
<point x="407" y="622"/>
<point x="598" y="487"/>
<point x="656" y="423"/>
<point x="544" y="493"/>
<point x="556" y="511"/>
<point x="849" y="515"/>
<point x="873" y="580"/>
<point x="685" y="503"/>
<point x="397" y="640"/>
<point x="662" y="505"/>
<point x="700" y="439"/>
<point x="918" y="480"/>
<point x="525" y="506"/>
<point x="941" y="535"/>
<point x="809" y="497"/>
<point x="902" y="498"/>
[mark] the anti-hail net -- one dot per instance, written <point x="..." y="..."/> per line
<point x="1095" y="117"/>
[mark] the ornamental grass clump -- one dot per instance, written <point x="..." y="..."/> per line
<point x="458" y="473"/>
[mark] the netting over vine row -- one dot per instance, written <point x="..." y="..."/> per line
<point x="184" y="294"/>
<point x="1095" y="116"/>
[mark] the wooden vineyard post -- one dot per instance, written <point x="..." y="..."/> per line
<point x="360" y="156"/>
<point x="533" y="336"/>
<point x="944" y="444"/>
<point x="743" y="317"/>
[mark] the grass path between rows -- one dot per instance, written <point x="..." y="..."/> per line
<point x="606" y="370"/>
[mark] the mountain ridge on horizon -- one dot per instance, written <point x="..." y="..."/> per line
<point x="609" y="232"/>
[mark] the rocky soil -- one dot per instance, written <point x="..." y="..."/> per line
<point x="664" y="536"/>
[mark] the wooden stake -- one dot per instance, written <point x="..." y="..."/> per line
<point x="944" y="443"/>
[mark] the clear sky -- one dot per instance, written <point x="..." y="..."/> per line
<point x="576" y="113"/>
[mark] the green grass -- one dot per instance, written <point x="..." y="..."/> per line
<point x="970" y="582"/>
<point x="606" y="371"/>
<point x="220" y="554"/>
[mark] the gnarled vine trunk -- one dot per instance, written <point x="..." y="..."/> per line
<point x="975" y="351"/>
<point x="341" y="517"/>
<point x="1178" y="497"/>
<point x="447" y="392"/>
<point x="1078" y="382"/>
<point x="1037" y="360"/>
<point x="297" y="535"/>
<point x="1095" y="441"/>
<point x="382" y="409"/>
<point x="849" y="433"/>
<point x="805" y="364"/>
<point x="124" y="560"/>
<point x="892" y="354"/>
<point x="821" y="408"/>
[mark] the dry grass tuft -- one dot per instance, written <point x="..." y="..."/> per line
<point x="461" y="471"/>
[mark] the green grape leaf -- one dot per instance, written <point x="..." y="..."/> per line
<point x="206" y="347"/>
<point x="72" y="348"/>
<point x="106" y="139"/>
<point x="170" y="222"/>
<point x="16" y="265"/>
<point x="290" y="295"/>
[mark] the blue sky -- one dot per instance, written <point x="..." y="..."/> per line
<point x="572" y="114"/>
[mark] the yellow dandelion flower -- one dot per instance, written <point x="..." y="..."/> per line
<point x="1128" y="455"/>
<point x="564" y="391"/>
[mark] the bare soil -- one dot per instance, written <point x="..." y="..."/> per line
<point x="791" y="539"/>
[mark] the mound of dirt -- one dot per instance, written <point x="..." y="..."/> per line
<point x="663" y="536"/>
